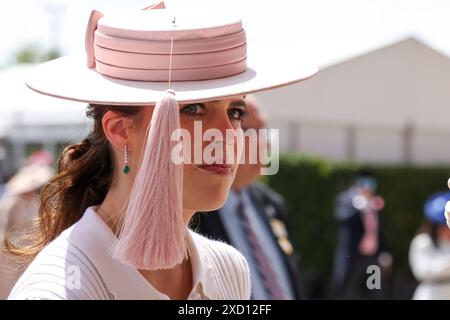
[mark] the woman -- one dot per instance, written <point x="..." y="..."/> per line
<point x="429" y="253"/>
<point x="114" y="219"/>
<point x="19" y="207"/>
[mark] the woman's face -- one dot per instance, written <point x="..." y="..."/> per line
<point x="209" y="174"/>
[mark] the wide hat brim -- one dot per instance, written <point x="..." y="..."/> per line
<point x="70" y="78"/>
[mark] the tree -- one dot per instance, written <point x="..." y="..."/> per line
<point x="34" y="54"/>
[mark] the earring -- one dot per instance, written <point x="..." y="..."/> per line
<point x="126" y="168"/>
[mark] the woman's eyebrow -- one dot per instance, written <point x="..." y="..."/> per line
<point x="234" y="103"/>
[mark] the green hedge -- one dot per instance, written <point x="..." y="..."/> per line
<point x="310" y="186"/>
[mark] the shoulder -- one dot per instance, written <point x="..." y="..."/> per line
<point x="421" y="252"/>
<point x="227" y="264"/>
<point x="344" y="209"/>
<point x="265" y="191"/>
<point x="346" y="196"/>
<point x="421" y="242"/>
<point x="61" y="271"/>
<point x="274" y="205"/>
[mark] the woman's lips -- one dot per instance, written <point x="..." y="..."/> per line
<point x="220" y="169"/>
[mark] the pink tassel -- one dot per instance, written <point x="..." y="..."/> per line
<point x="158" y="5"/>
<point x="153" y="232"/>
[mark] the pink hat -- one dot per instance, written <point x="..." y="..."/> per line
<point x="133" y="59"/>
<point x="129" y="58"/>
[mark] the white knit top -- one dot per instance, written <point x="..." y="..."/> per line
<point x="430" y="265"/>
<point x="77" y="265"/>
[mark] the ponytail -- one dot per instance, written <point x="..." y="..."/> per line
<point x="85" y="172"/>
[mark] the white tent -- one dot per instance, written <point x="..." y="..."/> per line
<point x="391" y="105"/>
<point x="28" y="118"/>
<point x="20" y="104"/>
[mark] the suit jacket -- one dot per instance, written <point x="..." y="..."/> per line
<point x="269" y="205"/>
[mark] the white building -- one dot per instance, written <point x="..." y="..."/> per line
<point x="30" y="121"/>
<point x="391" y="105"/>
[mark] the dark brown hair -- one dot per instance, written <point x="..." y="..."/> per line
<point x="85" y="172"/>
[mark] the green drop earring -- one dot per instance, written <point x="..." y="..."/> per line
<point x="126" y="168"/>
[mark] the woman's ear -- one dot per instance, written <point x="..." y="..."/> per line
<point x="117" y="128"/>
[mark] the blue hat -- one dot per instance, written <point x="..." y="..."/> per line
<point x="367" y="183"/>
<point x="435" y="206"/>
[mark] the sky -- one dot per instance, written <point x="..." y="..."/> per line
<point x="326" y="31"/>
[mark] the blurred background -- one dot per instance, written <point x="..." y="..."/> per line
<point x="381" y="103"/>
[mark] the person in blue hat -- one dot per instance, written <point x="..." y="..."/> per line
<point x="429" y="253"/>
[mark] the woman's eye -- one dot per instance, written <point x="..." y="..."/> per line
<point x="237" y="114"/>
<point x="193" y="109"/>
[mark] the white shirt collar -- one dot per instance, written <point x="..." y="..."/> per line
<point x="93" y="236"/>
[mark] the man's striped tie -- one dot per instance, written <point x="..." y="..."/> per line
<point x="262" y="260"/>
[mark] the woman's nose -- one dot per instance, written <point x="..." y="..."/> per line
<point x="226" y="140"/>
<point x="223" y="122"/>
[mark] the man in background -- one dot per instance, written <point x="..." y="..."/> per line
<point x="359" y="240"/>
